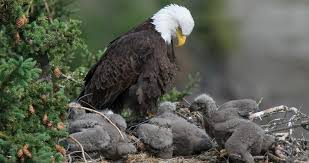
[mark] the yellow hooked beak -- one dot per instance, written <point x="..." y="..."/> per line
<point x="181" y="38"/>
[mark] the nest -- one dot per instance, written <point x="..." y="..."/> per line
<point x="288" y="124"/>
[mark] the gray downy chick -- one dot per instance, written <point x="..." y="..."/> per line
<point x="240" y="108"/>
<point x="90" y="129"/>
<point x="158" y="140"/>
<point x="247" y="138"/>
<point x="203" y="102"/>
<point x="230" y="129"/>
<point x="118" y="147"/>
<point x="207" y="106"/>
<point x="167" y="107"/>
<point x="187" y="138"/>
<point x="96" y="139"/>
<point x="244" y="107"/>
<point x="74" y="113"/>
<point x="232" y="109"/>
<point x="229" y="110"/>
<point x="85" y="121"/>
<point x="89" y="120"/>
<point x="117" y="119"/>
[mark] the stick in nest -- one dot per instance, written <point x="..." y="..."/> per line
<point x="276" y="109"/>
<point x="74" y="152"/>
<point x="47" y="9"/>
<point x="76" y="105"/>
<point x="81" y="147"/>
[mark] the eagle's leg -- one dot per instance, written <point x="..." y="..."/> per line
<point x="118" y="105"/>
<point x="138" y="101"/>
<point x="148" y="109"/>
<point x="127" y="105"/>
<point x="147" y="99"/>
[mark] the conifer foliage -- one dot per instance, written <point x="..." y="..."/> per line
<point x="38" y="44"/>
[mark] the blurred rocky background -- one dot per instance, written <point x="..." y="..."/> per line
<point x="242" y="48"/>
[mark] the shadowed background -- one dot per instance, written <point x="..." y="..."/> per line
<point x="242" y="48"/>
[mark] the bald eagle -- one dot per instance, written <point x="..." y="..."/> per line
<point x="139" y="66"/>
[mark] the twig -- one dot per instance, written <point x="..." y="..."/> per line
<point x="275" y="122"/>
<point x="260" y="101"/>
<point x="28" y="9"/>
<point x="76" y="105"/>
<point x="183" y="116"/>
<point x="138" y="124"/>
<point x="3" y="135"/>
<point x="68" y="77"/>
<point x="273" y="157"/>
<point x="92" y="107"/>
<point x="81" y="97"/>
<point x="74" y="152"/>
<point x="270" y="111"/>
<point x="281" y="136"/>
<point x="70" y="158"/>
<point x="259" y="157"/>
<point x="199" y="118"/>
<point x="289" y="127"/>
<point x="47" y="9"/>
<point x="81" y="147"/>
<point x="290" y="122"/>
<point x="187" y="102"/>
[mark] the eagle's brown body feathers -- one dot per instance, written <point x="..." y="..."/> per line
<point x="137" y="68"/>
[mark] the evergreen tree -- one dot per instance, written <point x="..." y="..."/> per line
<point x="38" y="44"/>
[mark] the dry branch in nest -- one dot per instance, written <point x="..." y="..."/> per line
<point x="81" y="147"/>
<point x="298" y="116"/>
<point x="287" y="147"/>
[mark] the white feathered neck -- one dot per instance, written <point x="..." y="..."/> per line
<point x="169" y="18"/>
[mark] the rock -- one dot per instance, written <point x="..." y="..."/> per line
<point x="158" y="140"/>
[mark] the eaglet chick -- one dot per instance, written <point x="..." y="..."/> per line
<point x="231" y="128"/>
<point x="187" y="138"/>
<point x="99" y="137"/>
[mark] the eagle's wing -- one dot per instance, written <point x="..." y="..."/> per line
<point x="119" y="68"/>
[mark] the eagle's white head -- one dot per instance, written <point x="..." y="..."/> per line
<point x="173" y="21"/>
